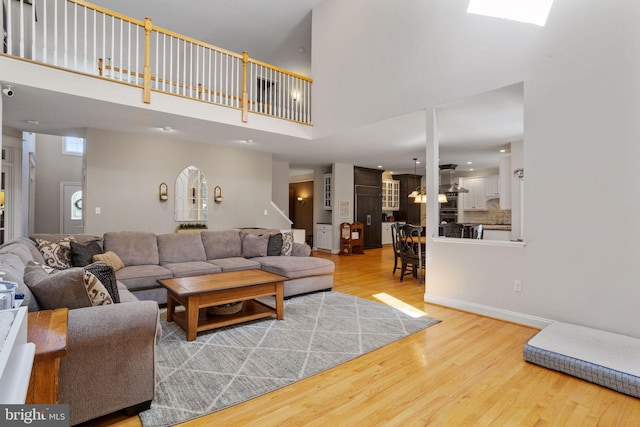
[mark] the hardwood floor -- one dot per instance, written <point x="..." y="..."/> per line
<point x="467" y="370"/>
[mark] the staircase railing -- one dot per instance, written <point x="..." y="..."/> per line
<point x="86" y="38"/>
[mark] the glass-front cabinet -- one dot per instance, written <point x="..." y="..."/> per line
<point x="327" y="191"/>
<point x="390" y="195"/>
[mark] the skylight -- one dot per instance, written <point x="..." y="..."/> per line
<point x="529" y="11"/>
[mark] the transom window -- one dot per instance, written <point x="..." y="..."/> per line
<point x="73" y="145"/>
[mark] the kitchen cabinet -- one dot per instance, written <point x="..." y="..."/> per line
<point x="368" y="204"/>
<point x="326" y="198"/>
<point x="475" y="199"/>
<point x="491" y="187"/>
<point x="387" y="238"/>
<point x="408" y="210"/>
<point x="324" y="236"/>
<point x="390" y="195"/>
<point x="505" y="183"/>
<point x="504" y="235"/>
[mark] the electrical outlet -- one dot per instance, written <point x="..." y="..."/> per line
<point x="517" y="285"/>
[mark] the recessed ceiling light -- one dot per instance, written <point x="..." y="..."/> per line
<point x="379" y="166"/>
<point x="301" y="49"/>
<point x="33" y="122"/>
<point x="471" y="169"/>
<point x="469" y="163"/>
<point x="503" y="151"/>
<point x="167" y="129"/>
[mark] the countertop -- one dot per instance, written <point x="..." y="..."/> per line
<point x="505" y="227"/>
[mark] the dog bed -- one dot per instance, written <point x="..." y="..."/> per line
<point x="604" y="358"/>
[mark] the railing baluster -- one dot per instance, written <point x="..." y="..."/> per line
<point x="9" y="29"/>
<point x="44" y="32"/>
<point x="84" y="63"/>
<point x="33" y="31"/>
<point x="95" y="39"/>
<point x="157" y="58"/>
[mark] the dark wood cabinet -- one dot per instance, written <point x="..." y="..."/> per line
<point x="368" y="204"/>
<point x="409" y="211"/>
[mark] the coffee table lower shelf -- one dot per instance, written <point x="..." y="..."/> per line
<point x="251" y="310"/>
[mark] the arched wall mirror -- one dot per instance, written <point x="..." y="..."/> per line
<point x="191" y="195"/>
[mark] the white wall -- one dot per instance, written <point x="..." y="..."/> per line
<point x="280" y="186"/>
<point x="125" y="170"/>
<point x="581" y="77"/>
<point x="52" y="168"/>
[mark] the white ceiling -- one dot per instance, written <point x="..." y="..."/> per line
<point x="469" y="130"/>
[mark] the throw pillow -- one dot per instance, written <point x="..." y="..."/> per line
<point x="96" y="291"/>
<point x="274" y="247"/>
<point x="34" y="272"/>
<point x="107" y="276"/>
<point x="56" y="254"/>
<point x="254" y="245"/>
<point x="287" y="243"/>
<point x="62" y="289"/>
<point x="110" y="258"/>
<point x="82" y="253"/>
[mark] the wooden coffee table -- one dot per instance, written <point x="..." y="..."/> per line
<point x="199" y="292"/>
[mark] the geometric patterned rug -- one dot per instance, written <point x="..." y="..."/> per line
<point x="230" y="365"/>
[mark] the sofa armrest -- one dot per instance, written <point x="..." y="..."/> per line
<point x="300" y="249"/>
<point x="110" y="361"/>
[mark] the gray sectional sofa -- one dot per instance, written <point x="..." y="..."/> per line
<point x="110" y="361"/>
<point x="148" y="257"/>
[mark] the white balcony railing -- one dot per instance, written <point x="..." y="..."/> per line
<point x="85" y="38"/>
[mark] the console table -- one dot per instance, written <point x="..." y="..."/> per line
<point x="47" y="329"/>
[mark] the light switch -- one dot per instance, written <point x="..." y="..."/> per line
<point x="97" y="211"/>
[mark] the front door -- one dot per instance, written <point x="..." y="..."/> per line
<point x="72" y="208"/>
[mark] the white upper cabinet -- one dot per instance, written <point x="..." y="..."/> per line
<point x="505" y="183"/>
<point x="390" y="195"/>
<point x="492" y="187"/>
<point x="327" y="191"/>
<point x="475" y="199"/>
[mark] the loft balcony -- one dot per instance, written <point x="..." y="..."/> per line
<point x="86" y="41"/>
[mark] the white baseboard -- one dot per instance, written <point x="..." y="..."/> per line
<point x="485" y="310"/>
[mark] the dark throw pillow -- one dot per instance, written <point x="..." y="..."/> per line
<point x="275" y="244"/>
<point x="82" y="253"/>
<point x="107" y="276"/>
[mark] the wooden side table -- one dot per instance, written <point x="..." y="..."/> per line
<point x="47" y="329"/>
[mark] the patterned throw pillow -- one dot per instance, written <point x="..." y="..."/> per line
<point x="98" y="294"/>
<point x="56" y="254"/>
<point x="287" y="243"/>
<point x="107" y="276"/>
<point x="110" y="258"/>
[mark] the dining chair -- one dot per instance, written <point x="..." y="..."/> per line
<point x="412" y="254"/>
<point x="397" y="245"/>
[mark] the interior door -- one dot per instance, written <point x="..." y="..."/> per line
<point x="72" y="208"/>
<point x="369" y="213"/>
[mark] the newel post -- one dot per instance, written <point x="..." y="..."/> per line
<point x="245" y="95"/>
<point x="146" y="97"/>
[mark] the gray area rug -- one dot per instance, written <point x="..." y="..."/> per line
<point x="230" y="365"/>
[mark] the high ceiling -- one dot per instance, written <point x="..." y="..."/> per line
<point x="276" y="32"/>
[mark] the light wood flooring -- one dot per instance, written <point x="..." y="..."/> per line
<point x="467" y="370"/>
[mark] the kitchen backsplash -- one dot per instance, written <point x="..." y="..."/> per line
<point x="493" y="214"/>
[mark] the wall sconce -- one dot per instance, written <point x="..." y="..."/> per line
<point x="295" y="95"/>
<point x="164" y="192"/>
<point x="217" y="194"/>
<point x="301" y="200"/>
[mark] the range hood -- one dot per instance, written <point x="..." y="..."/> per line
<point x="448" y="186"/>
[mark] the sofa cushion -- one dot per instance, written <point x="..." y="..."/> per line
<point x="221" y="243"/>
<point x="82" y="253"/>
<point x="138" y="277"/>
<point x="107" y="276"/>
<point x="71" y="288"/>
<point x="133" y="247"/>
<point x="194" y="268"/>
<point x="295" y="267"/>
<point x="21" y="250"/>
<point x="180" y="247"/>
<point x="235" y="264"/>
<point x="56" y="254"/>
<point x="110" y="258"/>
<point x="254" y="245"/>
